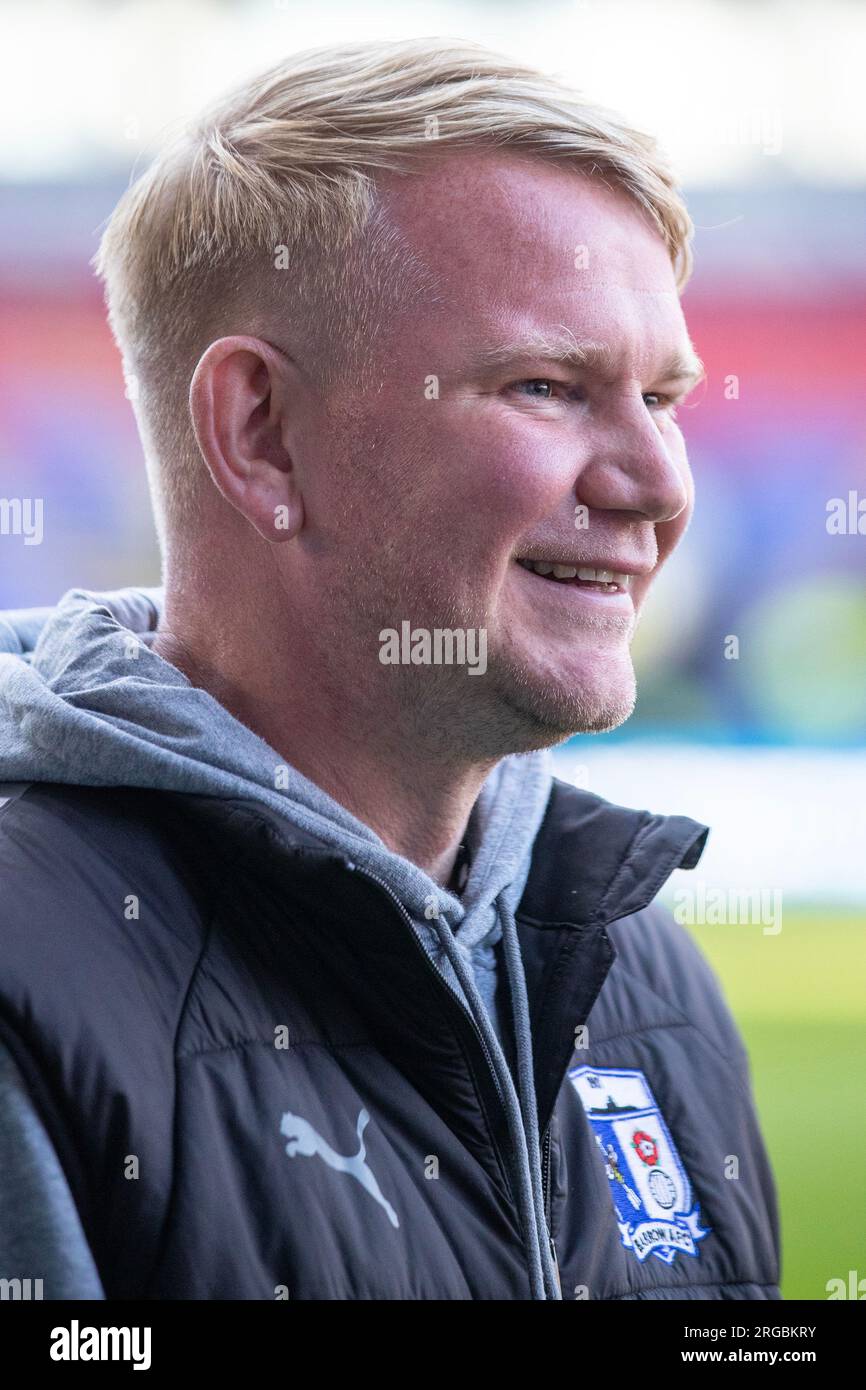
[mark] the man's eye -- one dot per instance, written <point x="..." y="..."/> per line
<point x="535" y="385"/>
<point x="543" y="389"/>
<point x="656" y="402"/>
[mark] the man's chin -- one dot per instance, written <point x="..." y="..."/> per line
<point x="548" y="712"/>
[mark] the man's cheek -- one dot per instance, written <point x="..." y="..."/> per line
<point x="501" y="458"/>
<point x="676" y="448"/>
<point x="682" y="463"/>
<point x="670" y="533"/>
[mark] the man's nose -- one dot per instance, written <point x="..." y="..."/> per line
<point x="633" y="467"/>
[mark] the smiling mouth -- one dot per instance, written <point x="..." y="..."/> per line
<point x="580" y="576"/>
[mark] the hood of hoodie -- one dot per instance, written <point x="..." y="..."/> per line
<point x="84" y="700"/>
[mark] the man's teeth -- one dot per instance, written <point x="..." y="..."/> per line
<point x="578" y="572"/>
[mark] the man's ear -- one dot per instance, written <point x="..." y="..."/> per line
<point x="239" y="400"/>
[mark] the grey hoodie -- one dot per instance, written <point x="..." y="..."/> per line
<point x="84" y="700"/>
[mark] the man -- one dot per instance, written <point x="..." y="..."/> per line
<point x="315" y="984"/>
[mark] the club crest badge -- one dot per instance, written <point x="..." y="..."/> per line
<point x="651" y="1191"/>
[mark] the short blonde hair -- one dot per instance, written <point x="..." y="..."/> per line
<point x="289" y="160"/>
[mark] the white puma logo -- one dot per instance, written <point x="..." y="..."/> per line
<point x="303" y="1139"/>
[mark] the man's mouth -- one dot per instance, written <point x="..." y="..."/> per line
<point x="580" y="576"/>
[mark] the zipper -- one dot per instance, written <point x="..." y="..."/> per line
<point x="546" y="1200"/>
<point x="545" y="1174"/>
<point x="429" y="965"/>
<point x="367" y="873"/>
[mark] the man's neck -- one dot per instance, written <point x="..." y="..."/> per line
<point x="419" y="807"/>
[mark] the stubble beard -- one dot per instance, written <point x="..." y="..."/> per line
<point x="443" y="711"/>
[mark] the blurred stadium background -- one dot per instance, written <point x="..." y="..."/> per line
<point x="760" y="107"/>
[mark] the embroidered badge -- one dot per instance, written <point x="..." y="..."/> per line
<point x="651" y="1191"/>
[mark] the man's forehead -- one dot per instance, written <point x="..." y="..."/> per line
<point x="523" y="249"/>
<point x="492" y="220"/>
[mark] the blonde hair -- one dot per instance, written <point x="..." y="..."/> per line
<point x="289" y="160"/>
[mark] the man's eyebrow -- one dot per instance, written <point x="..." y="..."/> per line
<point x="682" y="365"/>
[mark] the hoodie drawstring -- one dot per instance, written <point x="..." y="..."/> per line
<point x="526" y="1083"/>
<point x="520" y="1111"/>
